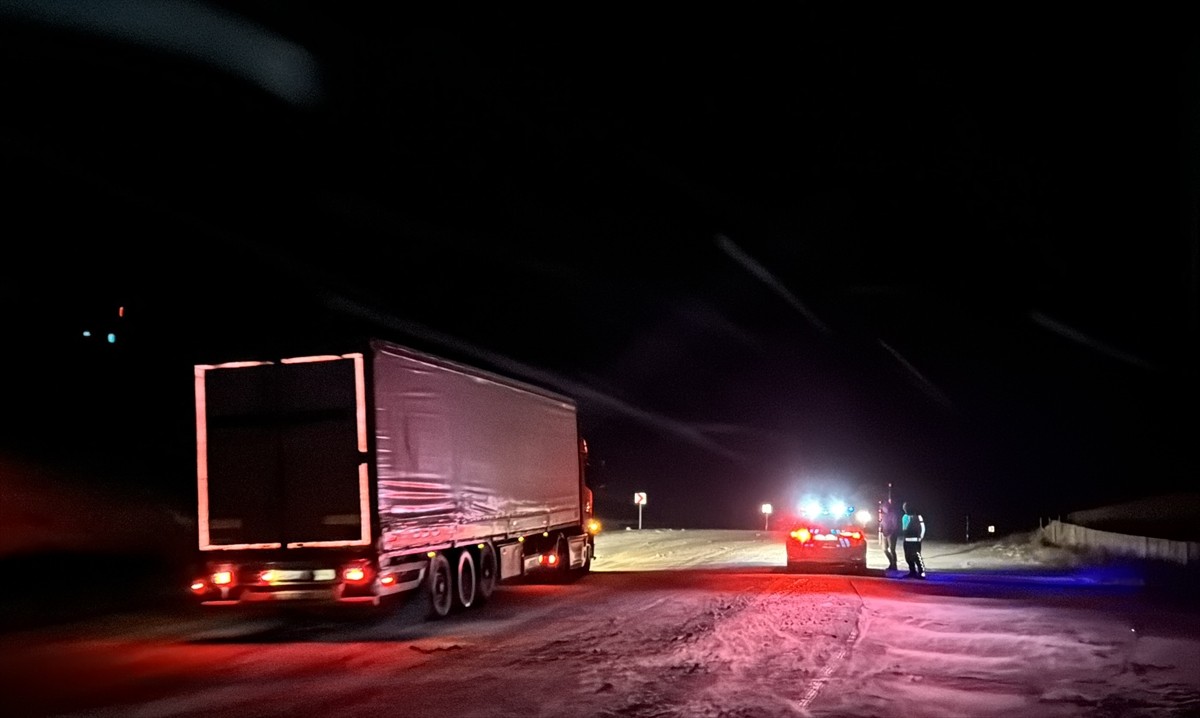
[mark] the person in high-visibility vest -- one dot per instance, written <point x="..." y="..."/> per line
<point x="912" y="527"/>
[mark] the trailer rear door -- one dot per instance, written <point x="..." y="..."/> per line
<point x="282" y="454"/>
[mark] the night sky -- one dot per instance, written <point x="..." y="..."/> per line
<point x="766" y="255"/>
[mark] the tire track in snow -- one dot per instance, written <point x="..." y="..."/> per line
<point x="819" y="682"/>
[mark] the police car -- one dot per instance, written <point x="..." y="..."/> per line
<point x="828" y="534"/>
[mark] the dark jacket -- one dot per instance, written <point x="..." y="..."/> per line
<point x="890" y="524"/>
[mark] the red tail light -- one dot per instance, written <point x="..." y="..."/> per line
<point x="222" y="578"/>
<point x="802" y="535"/>
<point x="357" y="572"/>
<point x="549" y="559"/>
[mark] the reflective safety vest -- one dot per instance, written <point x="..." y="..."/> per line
<point x="913" y="527"/>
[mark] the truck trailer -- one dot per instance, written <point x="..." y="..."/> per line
<point x="383" y="472"/>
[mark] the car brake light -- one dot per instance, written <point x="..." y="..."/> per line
<point x="222" y="578"/>
<point x="856" y="535"/>
<point x="802" y="535"/>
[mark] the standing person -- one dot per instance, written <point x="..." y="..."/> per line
<point x="889" y="528"/>
<point x="913" y="529"/>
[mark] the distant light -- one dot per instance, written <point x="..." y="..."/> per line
<point x="120" y="311"/>
<point x="112" y="338"/>
<point x="812" y="509"/>
<point x="837" y="508"/>
<point x="87" y="333"/>
<point x="767" y="508"/>
<point x="991" y="529"/>
<point x="863" y="516"/>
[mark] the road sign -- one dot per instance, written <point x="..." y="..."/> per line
<point x="640" y="499"/>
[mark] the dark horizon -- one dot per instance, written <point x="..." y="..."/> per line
<point x="761" y="259"/>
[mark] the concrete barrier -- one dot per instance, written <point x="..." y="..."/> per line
<point x="1183" y="553"/>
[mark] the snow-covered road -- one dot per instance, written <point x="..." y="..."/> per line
<point x="670" y="623"/>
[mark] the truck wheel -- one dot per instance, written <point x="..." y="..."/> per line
<point x="487" y="573"/>
<point x="465" y="583"/>
<point x="438" y="584"/>
<point x="564" y="558"/>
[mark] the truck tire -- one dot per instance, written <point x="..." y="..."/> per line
<point x="439" y="593"/>
<point x="466" y="581"/>
<point x="488" y="573"/>
<point x="563" y="571"/>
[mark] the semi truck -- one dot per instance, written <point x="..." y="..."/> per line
<point x="383" y="473"/>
